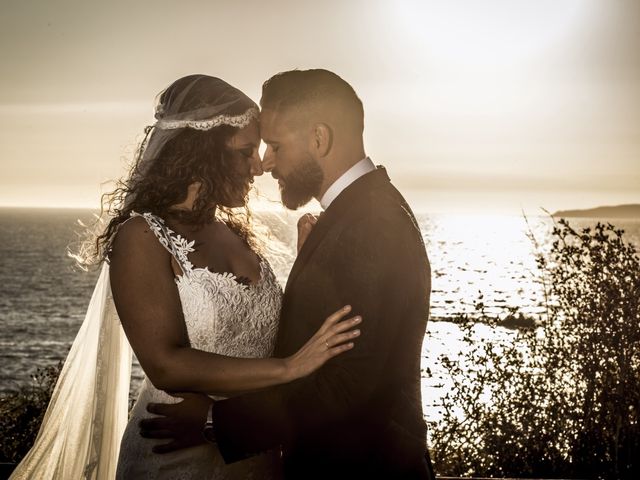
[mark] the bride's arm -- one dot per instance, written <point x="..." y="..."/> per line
<point x="147" y="301"/>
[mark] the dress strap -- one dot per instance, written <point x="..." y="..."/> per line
<point x="178" y="246"/>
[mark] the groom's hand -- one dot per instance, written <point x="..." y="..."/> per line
<point x="305" y="224"/>
<point x="181" y="423"/>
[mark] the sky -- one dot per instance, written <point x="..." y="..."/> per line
<point x="473" y="106"/>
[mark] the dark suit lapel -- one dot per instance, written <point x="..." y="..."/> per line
<point x="338" y="208"/>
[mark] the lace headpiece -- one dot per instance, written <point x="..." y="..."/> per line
<point x="202" y="103"/>
<point x="197" y="102"/>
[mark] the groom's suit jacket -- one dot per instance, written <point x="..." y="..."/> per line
<point x="360" y="415"/>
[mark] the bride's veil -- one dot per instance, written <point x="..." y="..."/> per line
<point x="87" y="414"/>
<point x="80" y="434"/>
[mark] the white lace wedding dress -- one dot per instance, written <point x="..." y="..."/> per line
<point x="222" y="316"/>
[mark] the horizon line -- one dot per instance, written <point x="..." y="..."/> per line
<point x="282" y="209"/>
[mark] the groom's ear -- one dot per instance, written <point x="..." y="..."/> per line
<point x="322" y="139"/>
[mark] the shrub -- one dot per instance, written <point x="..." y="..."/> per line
<point x="560" y="398"/>
<point x="21" y="414"/>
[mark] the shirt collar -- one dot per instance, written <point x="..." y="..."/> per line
<point x="347" y="178"/>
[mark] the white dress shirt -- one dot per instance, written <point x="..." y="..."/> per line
<point x="347" y="178"/>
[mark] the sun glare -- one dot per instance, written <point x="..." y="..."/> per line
<point x="490" y="34"/>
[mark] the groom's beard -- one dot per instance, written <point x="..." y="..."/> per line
<point x="301" y="185"/>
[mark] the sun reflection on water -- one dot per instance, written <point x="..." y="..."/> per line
<point x="489" y="255"/>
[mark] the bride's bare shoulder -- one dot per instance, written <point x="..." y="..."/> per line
<point x="136" y="237"/>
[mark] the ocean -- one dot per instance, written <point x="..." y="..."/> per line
<point x="43" y="295"/>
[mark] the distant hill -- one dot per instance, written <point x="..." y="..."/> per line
<point x="619" y="211"/>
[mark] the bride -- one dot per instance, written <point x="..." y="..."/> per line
<point x="184" y="276"/>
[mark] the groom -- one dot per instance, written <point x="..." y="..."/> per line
<point x="360" y="415"/>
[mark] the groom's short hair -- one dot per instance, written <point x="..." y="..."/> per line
<point x="305" y="89"/>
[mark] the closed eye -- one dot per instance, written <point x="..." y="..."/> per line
<point x="247" y="152"/>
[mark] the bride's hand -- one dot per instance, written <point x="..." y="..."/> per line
<point x="305" y="225"/>
<point x="333" y="338"/>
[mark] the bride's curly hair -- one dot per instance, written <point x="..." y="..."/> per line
<point x="155" y="185"/>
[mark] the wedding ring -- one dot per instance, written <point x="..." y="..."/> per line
<point x="326" y="342"/>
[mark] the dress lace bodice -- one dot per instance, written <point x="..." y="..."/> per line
<point x="222" y="316"/>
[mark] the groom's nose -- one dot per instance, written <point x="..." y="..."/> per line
<point x="268" y="160"/>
